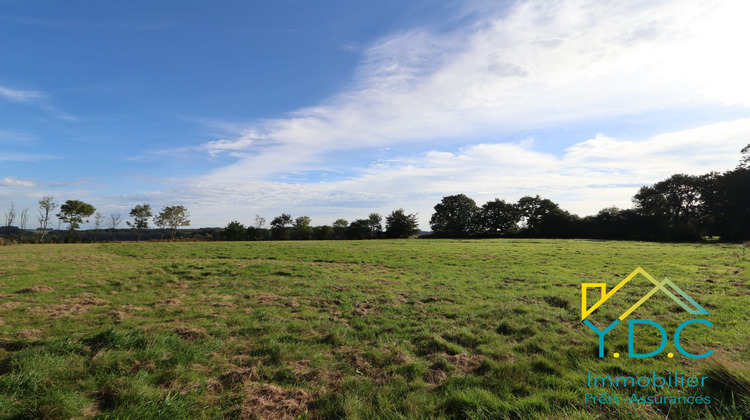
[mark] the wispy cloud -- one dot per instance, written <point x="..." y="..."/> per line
<point x="24" y="96"/>
<point x="539" y="64"/>
<point x="15" y="182"/>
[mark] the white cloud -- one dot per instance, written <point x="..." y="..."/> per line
<point x="537" y="65"/>
<point x="15" y="182"/>
<point x="24" y="96"/>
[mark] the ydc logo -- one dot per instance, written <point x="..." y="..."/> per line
<point x="665" y="287"/>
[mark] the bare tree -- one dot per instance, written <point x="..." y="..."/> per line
<point x="259" y="221"/>
<point x="23" y="221"/>
<point x="114" y="220"/>
<point x="98" y="221"/>
<point x="46" y="207"/>
<point x="10" y="217"/>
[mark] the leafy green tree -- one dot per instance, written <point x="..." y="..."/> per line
<point x="533" y="210"/>
<point x="376" y="225"/>
<point x="235" y="231"/>
<point x="454" y="216"/>
<point x="279" y="226"/>
<point x="302" y="228"/>
<point x="339" y="228"/>
<point x="745" y="161"/>
<point x="398" y="224"/>
<point x="73" y="212"/>
<point x="174" y="217"/>
<point x="161" y="223"/>
<point x="674" y="205"/>
<point x="359" y="229"/>
<point x="140" y="214"/>
<point x="497" y="216"/>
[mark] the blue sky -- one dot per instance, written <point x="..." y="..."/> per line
<point x="338" y="108"/>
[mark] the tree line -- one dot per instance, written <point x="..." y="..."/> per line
<point x="75" y="212"/>
<point x="681" y="207"/>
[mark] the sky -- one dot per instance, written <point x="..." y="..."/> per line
<point x="337" y="109"/>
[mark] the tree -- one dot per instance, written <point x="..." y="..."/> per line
<point x="73" y="212"/>
<point x="10" y="217"/>
<point x="302" y="228"/>
<point x="23" y="221"/>
<point x="359" y="229"/>
<point x="398" y="224"/>
<point x="235" y="231"/>
<point x="498" y="217"/>
<point x="259" y="221"/>
<point x="339" y="228"/>
<point x="161" y="223"/>
<point x="376" y="225"/>
<point x="98" y="221"/>
<point x="532" y="212"/>
<point x="454" y="216"/>
<point x="255" y="232"/>
<point x="46" y="206"/>
<point x="675" y="206"/>
<point x="174" y="217"/>
<point x="114" y="220"/>
<point x="745" y="160"/>
<point x="279" y="224"/>
<point x="140" y="214"/>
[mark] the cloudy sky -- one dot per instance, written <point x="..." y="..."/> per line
<point x="342" y="108"/>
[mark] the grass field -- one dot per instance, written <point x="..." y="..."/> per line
<point x="367" y="329"/>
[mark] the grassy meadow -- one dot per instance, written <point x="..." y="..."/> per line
<point x="357" y="330"/>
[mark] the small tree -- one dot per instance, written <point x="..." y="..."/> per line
<point x="46" y="207"/>
<point x="235" y="231"/>
<point x="140" y="214"/>
<point x="10" y="217"/>
<point x="259" y="221"/>
<point x="401" y="225"/>
<point x="359" y="229"/>
<point x="98" y="221"/>
<point x="376" y="224"/>
<point x="175" y="217"/>
<point x="114" y="220"/>
<point x="279" y="224"/>
<point x="23" y="221"/>
<point x="302" y="228"/>
<point x="339" y="228"/>
<point x="73" y="212"/>
<point x="161" y="224"/>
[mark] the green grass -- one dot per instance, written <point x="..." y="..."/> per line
<point x="368" y="329"/>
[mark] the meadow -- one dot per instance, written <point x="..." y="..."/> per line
<point x="356" y="329"/>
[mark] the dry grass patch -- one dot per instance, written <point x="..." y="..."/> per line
<point x="264" y="401"/>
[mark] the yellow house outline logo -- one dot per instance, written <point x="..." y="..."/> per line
<point x="663" y="286"/>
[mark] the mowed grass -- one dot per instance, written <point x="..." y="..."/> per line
<point x="366" y="329"/>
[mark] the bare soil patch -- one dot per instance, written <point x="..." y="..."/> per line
<point x="35" y="289"/>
